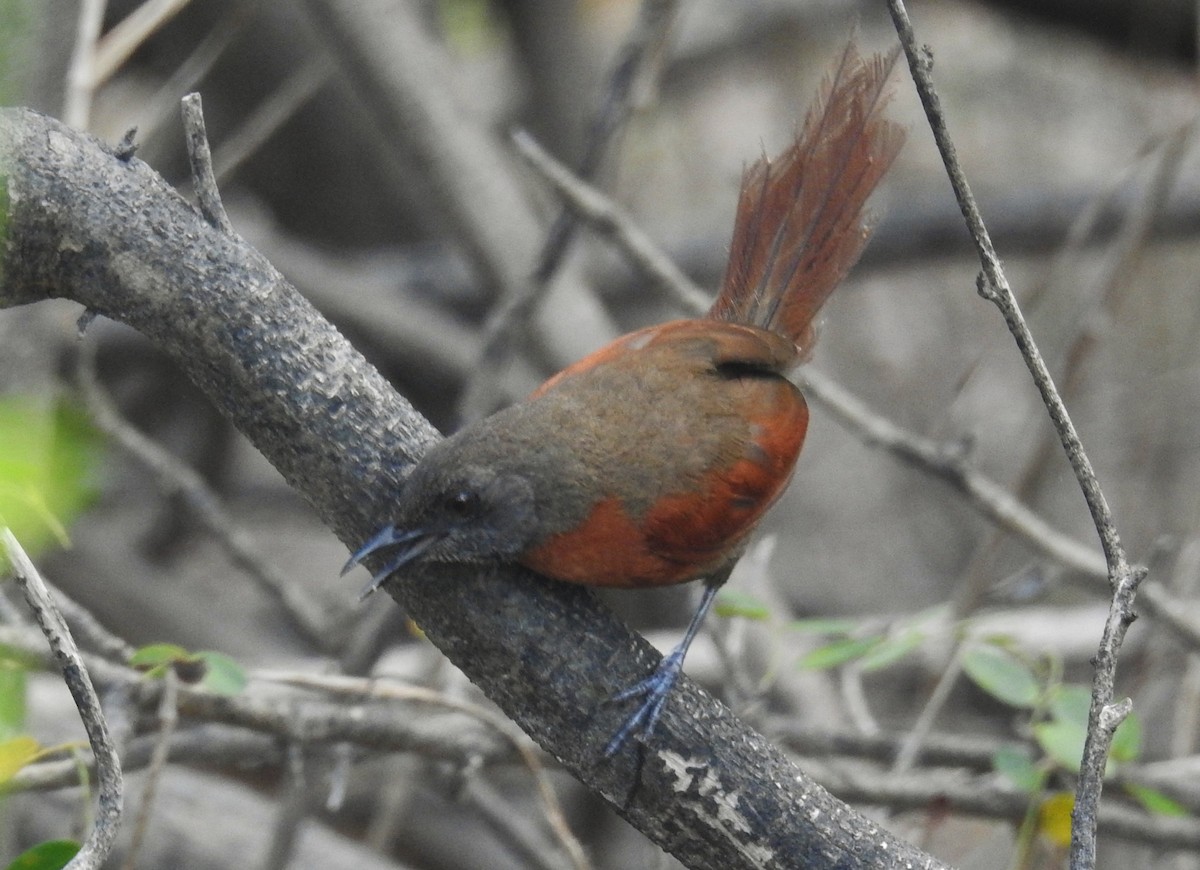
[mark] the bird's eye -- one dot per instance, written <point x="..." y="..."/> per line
<point x="462" y="503"/>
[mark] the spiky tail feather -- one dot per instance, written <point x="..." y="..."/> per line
<point x="800" y="223"/>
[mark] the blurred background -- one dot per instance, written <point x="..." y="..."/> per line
<point x="367" y="153"/>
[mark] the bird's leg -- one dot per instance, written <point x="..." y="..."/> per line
<point x="654" y="689"/>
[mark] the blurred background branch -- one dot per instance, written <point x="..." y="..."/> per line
<point x="1071" y="120"/>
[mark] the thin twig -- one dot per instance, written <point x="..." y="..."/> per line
<point x="363" y="688"/>
<point x="168" y="718"/>
<point x="647" y="36"/>
<point x="854" y="697"/>
<point x="643" y="44"/>
<point x="88" y="629"/>
<point x="204" y="180"/>
<point x="202" y="745"/>
<point x="77" y="103"/>
<point x="271" y="114"/>
<point x="372" y="727"/>
<point x="988" y="498"/>
<point x="99" y="841"/>
<point x="293" y="810"/>
<point x="914" y="740"/>
<point x="993" y="286"/>
<point x="613" y="223"/>
<point x="162" y="106"/>
<point x="1123" y="578"/>
<point x="128" y="35"/>
<point x="319" y="625"/>
<point x="983" y="796"/>
<point x="950" y="465"/>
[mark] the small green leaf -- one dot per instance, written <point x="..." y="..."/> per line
<point x="49" y="457"/>
<point x="1071" y="703"/>
<point x="1002" y="675"/>
<point x="1155" y="802"/>
<point x="15" y="753"/>
<point x="891" y="649"/>
<point x="731" y="603"/>
<point x="1062" y="741"/>
<point x="1127" y="739"/>
<point x="839" y="652"/>
<point x="830" y="626"/>
<point x="223" y="675"/>
<point x="1015" y="765"/>
<point x="50" y="855"/>
<point x="157" y="655"/>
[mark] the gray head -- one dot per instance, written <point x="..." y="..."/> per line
<point x="451" y="510"/>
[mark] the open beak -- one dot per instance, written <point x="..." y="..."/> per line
<point x="412" y="543"/>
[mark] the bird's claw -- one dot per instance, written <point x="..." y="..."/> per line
<point x="653" y="690"/>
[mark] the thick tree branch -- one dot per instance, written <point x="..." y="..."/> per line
<point x="112" y="235"/>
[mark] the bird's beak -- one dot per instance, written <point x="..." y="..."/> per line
<point x="412" y="543"/>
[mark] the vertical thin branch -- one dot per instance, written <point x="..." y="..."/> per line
<point x="77" y="106"/>
<point x="910" y="748"/>
<point x="643" y="43"/>
<point x="293" y="810"/>
<point x="993" y="285"/>
<point x="168" y="717"/>
<point x="204" y="180"/>
<point x="1123" y="579"/>
<point x="100" y="838"/>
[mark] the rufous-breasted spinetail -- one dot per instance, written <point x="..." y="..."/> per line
<point x="651" y="460"/>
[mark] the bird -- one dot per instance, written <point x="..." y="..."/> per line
<point x="651" y="461"/>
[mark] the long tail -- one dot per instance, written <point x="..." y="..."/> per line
<point x="800" y="223"/>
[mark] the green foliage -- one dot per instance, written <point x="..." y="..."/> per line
<point x="214" y="671"/>
<point x="869" y="651"/>
<point x="830" y="626"/>
<point x="1061" y="736"/>
<point x="1155" y="802"/>
<point x="1017" y="766"/>
<point x="1002" y="675"/>
<point x="1062" y="741"/>
<point x="48" y="462"/>
<point x="15" y="753"/>
<point x="1070" y="703"/>
<point x="1056" y="713"/>
<point x="51" y="855"/>
<point x="1127" y="740"/>
<point x="222" y="674"/>
<point x="839" y="652"/>
<point x="731" y="602"/>
<point x="891" y="649"/>
<point x="156" y="657"/>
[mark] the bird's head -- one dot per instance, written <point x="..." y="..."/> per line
<point x="451" y="510"/>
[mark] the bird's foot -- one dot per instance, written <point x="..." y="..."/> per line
<point x="653" y="692"/>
